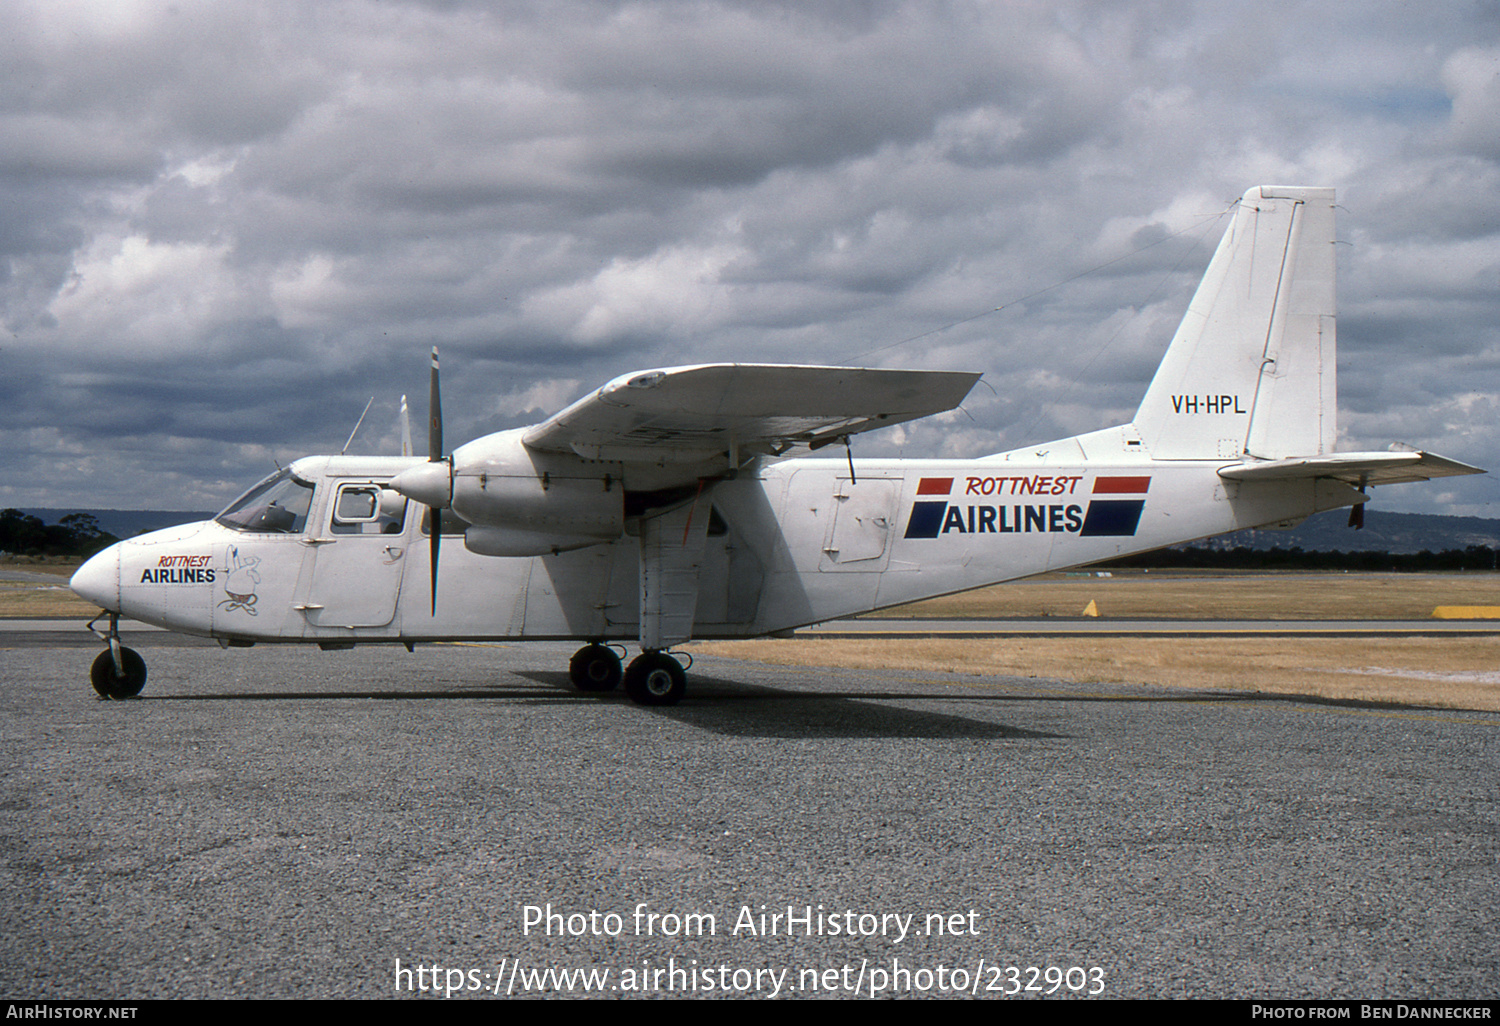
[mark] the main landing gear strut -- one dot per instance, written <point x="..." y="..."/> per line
<point x="652" y="678"/>
<point x="119" y="672"/>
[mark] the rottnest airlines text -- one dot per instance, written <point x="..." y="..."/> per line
<point x="1013" y="519"/>
<point x="178" y="576"/>
<point x="1032" y="484"/>
<point x="1114" y="506"/>
<point x="180" y="570"/>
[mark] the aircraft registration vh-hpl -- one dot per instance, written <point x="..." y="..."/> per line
<point x="665" y="506"/>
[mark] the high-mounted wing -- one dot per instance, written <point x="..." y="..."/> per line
<point x="689" y="414"/>
<point x="1355" y="468"/>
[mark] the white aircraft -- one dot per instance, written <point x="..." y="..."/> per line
<point x="656" y="509"/>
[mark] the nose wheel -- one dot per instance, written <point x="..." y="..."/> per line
<point x="118" y="672"/>
<point x="124" y="681"/>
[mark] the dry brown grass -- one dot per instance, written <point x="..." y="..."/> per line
<point x="1445" y="672"/>
<point x="1448" y="672"/>
<point x="43" y="599"/>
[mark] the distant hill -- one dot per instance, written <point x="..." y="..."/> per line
<point x="124" y="523"/>
<point x="1404" y="533"/>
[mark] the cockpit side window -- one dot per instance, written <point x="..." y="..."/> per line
<point x="367" y="509"/>
<point x="356" y="504"/>
<point x="278" y="505"/>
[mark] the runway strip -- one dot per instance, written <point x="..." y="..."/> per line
<point x="1052" y="626"/>
<point x="22" y="632"/>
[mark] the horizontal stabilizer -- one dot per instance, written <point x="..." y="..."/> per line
<point x="1355" y="468"/>
<point x="688" y="414"/>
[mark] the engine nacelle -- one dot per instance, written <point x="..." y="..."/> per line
<point x="524" y="503"/>
<point x="508" y="541"/>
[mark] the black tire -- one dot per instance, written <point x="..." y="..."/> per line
<point x="655" y="678"/>
<point x="595" y="668"/>
<point x="110" y="684"/>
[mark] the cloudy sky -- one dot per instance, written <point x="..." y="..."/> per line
<point x="225" y="226"/>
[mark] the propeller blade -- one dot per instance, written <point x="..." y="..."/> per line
<point x="435" y="455"/>
<point x="435" y="414"/>
<point x="405" y="428"/>
<point x="434" y="544"/>
<point x="431" y="483"/>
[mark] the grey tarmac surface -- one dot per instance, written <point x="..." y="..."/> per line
<point x="281" y="822"/>
<point x="34" y="577"/>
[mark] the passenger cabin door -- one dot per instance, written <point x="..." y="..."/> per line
<point x="360" y="553"/>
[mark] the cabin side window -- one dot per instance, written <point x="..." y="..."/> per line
<point x="277" y="505"/>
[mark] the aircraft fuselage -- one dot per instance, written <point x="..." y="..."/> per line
<point x="794" y="543"/>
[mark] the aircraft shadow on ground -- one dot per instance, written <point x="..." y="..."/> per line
<point x="724" y="706"/>
<point x="756" y="710"/>
<point x="735" y="708"/>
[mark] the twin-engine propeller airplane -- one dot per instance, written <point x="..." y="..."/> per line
<point x="655" y="509"/>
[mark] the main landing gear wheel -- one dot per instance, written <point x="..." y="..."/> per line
<point x="595" y="668"/>
<point x="655" y="678"/>
<point x="110" y="683"/>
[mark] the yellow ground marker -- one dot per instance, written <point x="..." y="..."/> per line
<point x="1467" y="612"/>
<point x="1091" y="609"/>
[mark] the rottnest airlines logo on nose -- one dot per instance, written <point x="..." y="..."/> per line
<point x="1102" y="517"/>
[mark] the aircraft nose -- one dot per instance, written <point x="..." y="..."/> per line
<point x="431" y="484"/>
<point x="98" y="580"/>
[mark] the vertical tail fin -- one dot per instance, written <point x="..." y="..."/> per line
<point x="1251" y="369"/>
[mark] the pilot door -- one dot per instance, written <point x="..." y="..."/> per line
<point x="359" y="553"/>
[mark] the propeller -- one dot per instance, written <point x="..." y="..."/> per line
<point x="435" y="414"/>
<point x="431" y="483"/>
<point x="435" y="455"/>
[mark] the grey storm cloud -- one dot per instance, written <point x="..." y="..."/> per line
<point x="223" y="227"/>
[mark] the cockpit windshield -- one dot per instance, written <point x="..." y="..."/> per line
<point x="278" y="505"/>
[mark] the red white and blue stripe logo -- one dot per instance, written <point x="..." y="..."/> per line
<point x="1115" y="517"/>
<point x="1113" y="508"/>
<point x="927" y="517"/>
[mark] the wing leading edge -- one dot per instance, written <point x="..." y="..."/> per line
<point x="689" y="414"/>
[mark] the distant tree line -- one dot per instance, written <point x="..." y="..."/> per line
<point x="1474" y="557"/>
<point x="77" y="534"/>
